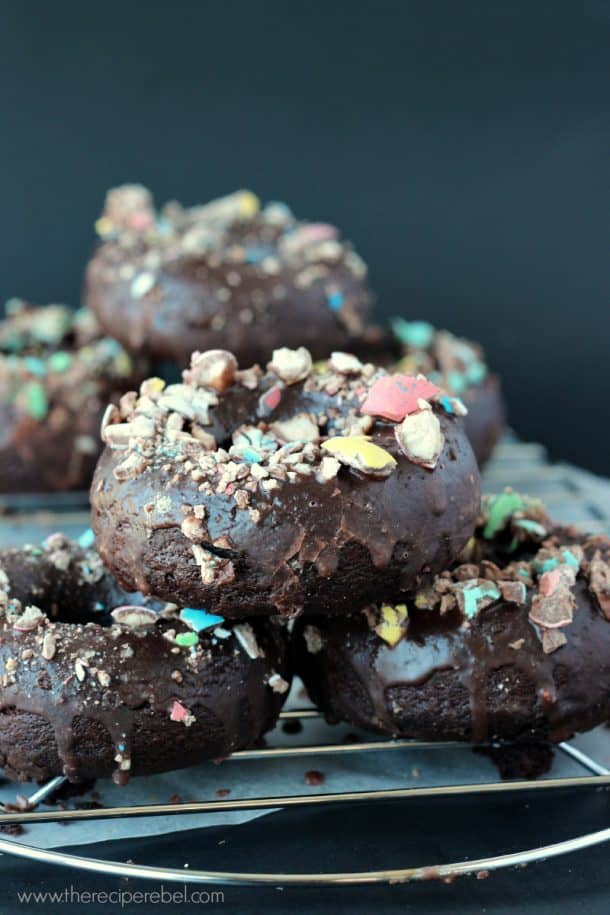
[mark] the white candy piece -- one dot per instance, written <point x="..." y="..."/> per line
<point x="133" y="617"/>
<point x="214" y="368"/>
<point x="345" y="363"/>
<point x="244" y="633"/>
<point x="291" y="365"/>
<point x="299" y="428"/>
<point x="420" y="438"/>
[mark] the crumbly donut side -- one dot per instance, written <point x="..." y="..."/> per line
<point x="230" y="273"/>
<point x="285" y="490"/>
<point x="56" y="373"/>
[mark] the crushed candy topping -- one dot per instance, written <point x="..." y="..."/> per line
<point x="395" y="396"/>
<point x="392" y="624"/>
<point x="358" y="452"/>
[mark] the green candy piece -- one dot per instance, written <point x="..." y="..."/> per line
<point x="501" y="508"/>
<point x="59" y="362"/>
<point x="187" y="639"/>
<point x="472" y="596"/>
<point x="569" y="558"/>
<point x="533" y="527"/>
<point x="413" y="333"/>
<point x="36" y="402"/>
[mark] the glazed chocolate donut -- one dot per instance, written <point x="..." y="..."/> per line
<point x="228" y="274"/>
<point x="458" y="366"/>
<point x="511" y="644"/>
<point x="57" y="373"/>
<point x="97" y="682"/>
<point x="302" y="488"/>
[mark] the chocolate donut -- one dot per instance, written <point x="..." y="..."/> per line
<point x="511" y="644"/>
<point x="458" y="366"/>
<point x="57" y="373"/>
<point x="227" y="274"/>
<point x="97" y="682"/>
<point x="302" y="488"/>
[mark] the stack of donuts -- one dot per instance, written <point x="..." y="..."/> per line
<point x="287" y="508"/>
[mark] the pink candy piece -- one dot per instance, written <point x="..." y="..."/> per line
<point x="178" y="712"/>
<point x="317" y="231"/>
<point x="395" y="396"/>
<point x="140" y="221"/>
<point x="549" y="581"/>
<point x="270" y="400"/>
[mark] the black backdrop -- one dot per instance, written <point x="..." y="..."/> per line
<point x="463" y="146"/>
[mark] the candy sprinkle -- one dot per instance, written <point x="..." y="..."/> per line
<point x="419" y="334"/>
<point x="392" y="627"/>
<point x="134" y="617"/>
<point x="199" y="619"/>
<point x="474" y="595"/>
<point x="358" y="452"/>
<point x="36" y="402"/>
<point x="420" y="438"/>
<point x="501" y="508"/>
<point x="395" y="396"/>
<point x="187" y="639"/>
<point x="86" y="539"/>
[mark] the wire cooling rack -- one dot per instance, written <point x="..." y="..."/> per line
<point x="572" y="495"/>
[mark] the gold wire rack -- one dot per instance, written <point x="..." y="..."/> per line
<point x="594" y="775"/>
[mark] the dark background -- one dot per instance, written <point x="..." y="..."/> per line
<point x="464" y="147"/>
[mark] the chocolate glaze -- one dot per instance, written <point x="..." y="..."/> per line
<point x="221" y="277"/>
<point x="101" y="704"/>
<point x="49" y="417"/>
<point x="318" y="546"/>
<point x="483" y="679"/>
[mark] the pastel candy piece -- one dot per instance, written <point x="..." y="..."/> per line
<point x="200" y="619"/>
<point x="178" y="711"/>
<point x="36" y="402"/>
<point x="395" y="396"/>
<point x="420" y="438"/>
<point x="453" y="406"/>
<point x="501" y="508"/>
<point x="549" y="581"/>
<point x="413" y="333"/>
<point x="391" y="627"/>
<point x="86" y="539"/>
<point x="187" y="639"/>
<point x="134" y="617"/>
<point x="358" y="452"/>
<point x="475" y="595"/>
<point x="270" y="400"/>
<point x="532" y="527"/>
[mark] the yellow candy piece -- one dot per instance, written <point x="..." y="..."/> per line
<point x="391" y="628"/>
<point x="156" y="384"/>
<point x="249" y="204"/>
<point x="103" y="226"/>
<point x="407" y="365"/>
<point x="359" y="452"/>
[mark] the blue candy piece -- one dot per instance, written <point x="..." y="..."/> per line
<point x="335" y="300"/>
<point x="86" y="539"/>
<point x="200" y="619"/>
<point x="34" y="365"/>
<point x="447" y="404"/>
